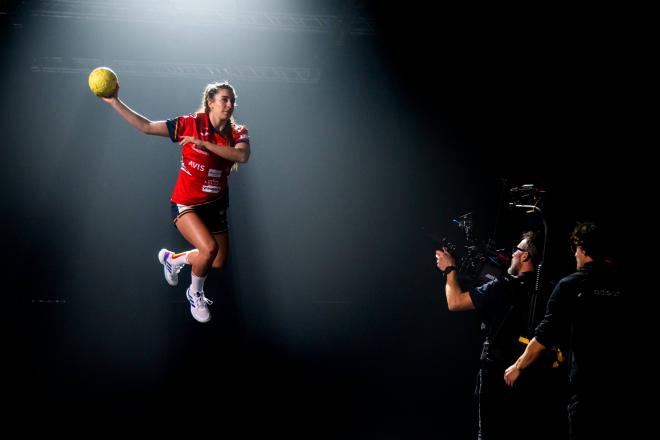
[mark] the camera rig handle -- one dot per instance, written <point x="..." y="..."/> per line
<point x="539" y="268"/>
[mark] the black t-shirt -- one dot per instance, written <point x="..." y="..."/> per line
<point x="586" y="315"/>
<point x="504" y="305"/>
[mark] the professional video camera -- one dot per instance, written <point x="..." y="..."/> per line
<point x="477" y="262"/>
<point x="480" y="261"/>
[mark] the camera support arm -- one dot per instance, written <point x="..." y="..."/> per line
<point x="539" y="268"/>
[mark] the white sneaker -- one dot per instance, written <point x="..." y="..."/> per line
<point x="198" y="306"/>
<point x="170" y="270"/>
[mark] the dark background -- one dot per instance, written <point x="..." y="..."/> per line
<point x="329" y="320"/>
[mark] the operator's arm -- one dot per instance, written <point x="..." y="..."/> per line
<point x="529" y="356"/>
<point x="457" y="300"/>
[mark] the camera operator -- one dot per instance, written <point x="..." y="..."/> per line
<point x="503" y="304"/>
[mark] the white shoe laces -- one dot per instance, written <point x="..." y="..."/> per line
<point x="201" y="300"/>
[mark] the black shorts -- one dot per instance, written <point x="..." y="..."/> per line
<point x="213" y="214"/>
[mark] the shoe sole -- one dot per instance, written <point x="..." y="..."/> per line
<point x="199" y="320"/>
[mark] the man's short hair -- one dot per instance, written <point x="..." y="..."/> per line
<point x="531" y="245"/>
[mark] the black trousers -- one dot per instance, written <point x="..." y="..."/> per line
<point x="533" y="409"/>
<point x="602" y="417"/>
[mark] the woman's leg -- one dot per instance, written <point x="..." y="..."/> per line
<point x="222" y="240"/>
<point x="201" y="258"/>
<point x="206" y="247"/>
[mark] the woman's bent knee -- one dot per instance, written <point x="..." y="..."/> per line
<point x="208" y="251"/>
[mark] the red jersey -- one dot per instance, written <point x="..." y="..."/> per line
<point x="203" y="175"/>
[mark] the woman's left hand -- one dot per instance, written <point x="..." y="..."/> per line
<point x="189" y="139"/>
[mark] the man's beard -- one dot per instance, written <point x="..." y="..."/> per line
<point x="514" y="269"/>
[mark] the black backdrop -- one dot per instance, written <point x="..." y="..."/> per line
<point x="329" y="320"/>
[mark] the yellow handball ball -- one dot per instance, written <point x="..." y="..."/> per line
<point x="102" y="82"/>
